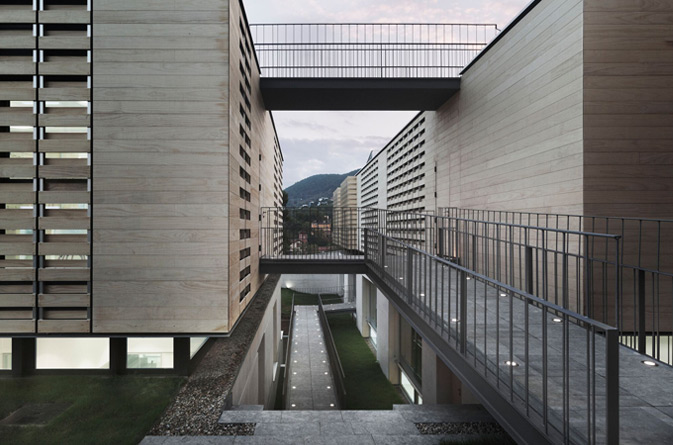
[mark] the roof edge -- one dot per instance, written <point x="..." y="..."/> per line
<point x="507" y="29"/>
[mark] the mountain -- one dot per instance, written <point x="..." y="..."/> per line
<point x="314" y="187"/>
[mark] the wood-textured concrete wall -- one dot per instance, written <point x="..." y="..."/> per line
<point x="255" y="165"/>
<point x="161" y="166"/>
<point x="512" y="137"/>
<point x="628" y="110"/>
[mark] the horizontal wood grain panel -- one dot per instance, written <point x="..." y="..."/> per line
<point x="17" y="300"/>
<point x="61" y="274"/>
<point x="17" y="326"/>
<point x="216" y="247"/>
<point x="63" y="326"/>
<point x="16" y="274"/>
<point x="161" y="222"/>
<point x="65" y="17"/>
<point x="162" y="184"/>
<point x="148" y="273"/>
<point x="64" y="300"/>
<point x="160" y="16"/>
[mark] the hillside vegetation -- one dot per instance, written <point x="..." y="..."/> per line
<point x="314" y="187"/>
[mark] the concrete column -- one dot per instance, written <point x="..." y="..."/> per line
<point x="118" y="355"/>
<point x="23" y="357"/>
<point x="181" y="355"/>
<point x="440" y="385"/>
<point x="383" y="333"/>
<point x="362" y="289"/>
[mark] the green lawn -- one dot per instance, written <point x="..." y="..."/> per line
<point x="300" y="299"/>
<point x="103" y="410"/>
<point x="366" y="386"/>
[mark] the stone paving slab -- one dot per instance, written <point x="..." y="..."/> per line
<point x="311" y="385"/>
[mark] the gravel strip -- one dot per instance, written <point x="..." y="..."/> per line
<point x="447" y="428"/>
<point x="200" y="402"/>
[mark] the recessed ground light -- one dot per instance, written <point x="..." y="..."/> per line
<point x="293" y="405"/>
<point x="322" y="350"/>
<point x="385" y="267"/>
<point x="295" y="361"/>
<point x="468" y="278"/>
<point x="454" y="320"/>
<point x="294" y="373"/>
<point x="329" y="387"/>
<point x="332" y="405"/>
<point x="422" y="295"/>
<point x="556" y="320"/>
<point x="401" y="278"/>
<point x="294" y="387"/>
<point x="296" y="350"/>
<point x="326" y="373"/>
<point x="324" y="361"/>
<point x="649" y="363"/>
<point x="511" y="363"/>
<point x="503" y="295"/>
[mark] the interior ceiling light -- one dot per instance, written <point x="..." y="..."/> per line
<point x="511" y="363"/>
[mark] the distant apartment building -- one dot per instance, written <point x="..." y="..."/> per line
<point x="344" y="201"/>
<point x="135" y="155"/>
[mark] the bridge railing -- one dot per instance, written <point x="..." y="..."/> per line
<point x="518" y="342"/>
<point x="364" y="50"/>
<point x="645" y="306"/>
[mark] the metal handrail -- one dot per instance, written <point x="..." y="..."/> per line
<point x="335" y="360"/>
<point x="371" y="50"/>
<point x="453" y="293"/>
<point x="290" y="335"/>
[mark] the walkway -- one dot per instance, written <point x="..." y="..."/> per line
<point x="311" y="385"/>
<point x="502" y="328"/>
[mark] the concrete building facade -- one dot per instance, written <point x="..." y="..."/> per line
<point x="136" y="154"/>
<point x="565" y="112"/>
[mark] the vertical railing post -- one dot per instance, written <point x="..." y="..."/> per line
<point x="462" y="318"/>
<point x="529" y="270"/>
<point x="612" y="385"/>
<point x="642" y="332"/>
<point x="440" y="242"/>
<point x="410" y="274"/>
<point x="382" y="251"/>
<point x="366" y="246"/>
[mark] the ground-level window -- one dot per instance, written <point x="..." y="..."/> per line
<point x="72" y="353"/>
<point x="150" y="353"/>
<point x="409" y="389"/>
<point x="5" y="353"/>
<point x="195" y="345"/>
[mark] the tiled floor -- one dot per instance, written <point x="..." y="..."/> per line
<point x="311" y="384"/>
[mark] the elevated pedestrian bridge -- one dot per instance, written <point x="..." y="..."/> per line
<point x="506" y="306"/>
<point x="382" y="66"/>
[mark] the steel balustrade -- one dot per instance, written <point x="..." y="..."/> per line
<point x="519" y="343"/>
<point x="363" y="50"/>
<point x="645" y="315"/>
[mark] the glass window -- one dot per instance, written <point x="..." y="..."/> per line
<point x="149" y="353"/>
<point x="373" y="335"/>
<point x="411" y="350"/>
<point x="409" y="389"/>
<point x="195" y="345"/>
<point x="5" y="353"/>
<point x="371" y="313"/>
<point x="73" y="353"/>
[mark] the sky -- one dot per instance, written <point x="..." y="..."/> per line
<point x="339" y="142"/>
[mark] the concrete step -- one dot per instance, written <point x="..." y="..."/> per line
<point x="247" y="408"/>
<point x="443" y="413"/>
